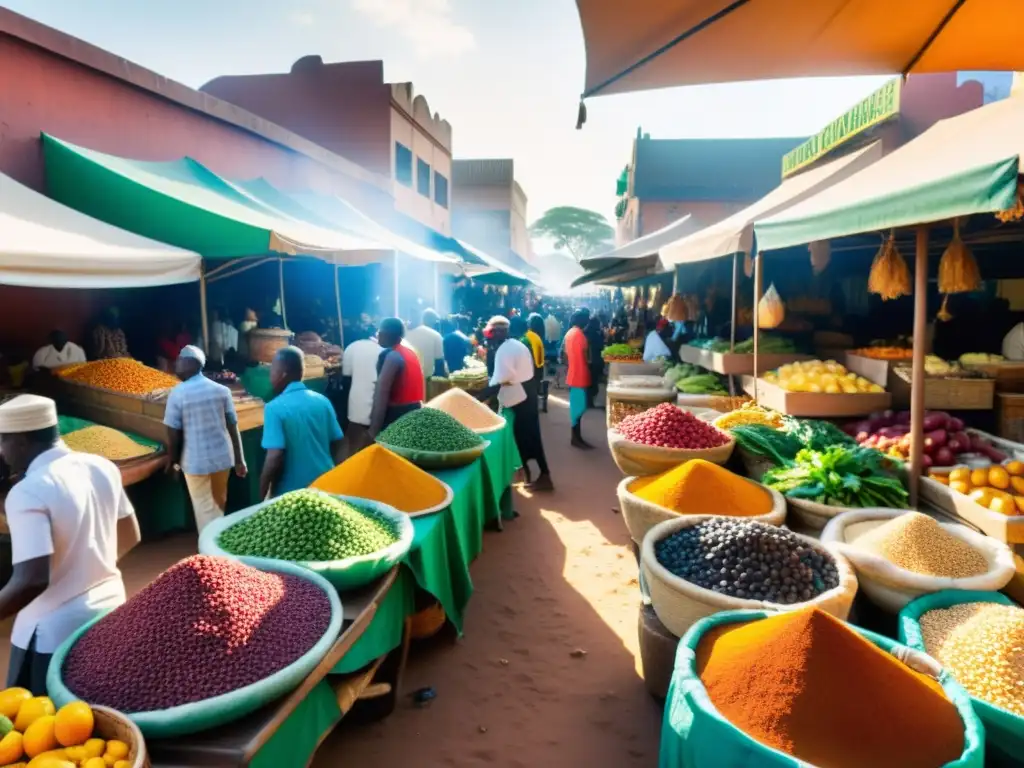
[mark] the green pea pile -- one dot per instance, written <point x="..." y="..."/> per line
<point x="428" y="429"/>
<point x="310" y="526"/>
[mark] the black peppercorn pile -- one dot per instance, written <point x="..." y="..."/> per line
<point x="206" y="626"/>
<point x="748" y="560"/>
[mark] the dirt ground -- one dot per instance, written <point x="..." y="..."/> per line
<point x="511" y="693"/>
<point x="515" y="691"/>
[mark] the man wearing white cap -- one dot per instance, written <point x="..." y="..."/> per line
<point x="70" y="522"/>
<point x="202" y="435"/>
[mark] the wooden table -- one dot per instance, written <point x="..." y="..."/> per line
<point x="236" y="744"/>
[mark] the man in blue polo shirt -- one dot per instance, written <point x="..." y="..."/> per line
<point x="301" y="434"/>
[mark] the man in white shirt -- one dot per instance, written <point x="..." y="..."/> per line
<point x="359" y="379"/>
<point x="223" y="337"/>
<point x="59" y="352"/>
<point x="1013" y="343"/>
<point x="70" y="522"/>
<point x="655" y="346"/>
<point x="552" y="329"/>
<point x="428" y="343"/>
<point x="513" y="367"/>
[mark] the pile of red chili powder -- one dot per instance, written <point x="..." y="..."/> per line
<point x="206" y="626"/>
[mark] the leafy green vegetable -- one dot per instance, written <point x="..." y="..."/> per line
<point x="701" y="384"/>
<point x="815" y="434"/>
<point x="839" y="476"/>
<point x="619" y="350"/>
<point x="767" y="441"/>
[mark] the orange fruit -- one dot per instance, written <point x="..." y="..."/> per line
<point x="979" y="478"/>
<point x="10" y="747"/>
<point x="95" y="747"/>
<point x="117" y="749"/>
<point x="95" y="762"/>
<point x="1015" y="468"/>
<point x="32" y="710"/>
<point x="11" y="700"/>
<point x="74" y="723"/>
<point x="122" y="764"/>
<point x="40" y="736"/>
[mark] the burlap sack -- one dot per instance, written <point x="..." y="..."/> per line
<point x="892" y="587"/>
<point x="636" y="459"/>
<point x="679" y="603"/>
<point x="641" y="515"/>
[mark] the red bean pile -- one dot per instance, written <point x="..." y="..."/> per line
<point x="206" y="626"/>
<point x="667" y="426"/>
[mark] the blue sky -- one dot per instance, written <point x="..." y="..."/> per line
<point x="505" y="73"/>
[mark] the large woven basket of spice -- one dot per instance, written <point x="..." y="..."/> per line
<point x="766" y="560"/>
<point x="900" y="555"/>
<point x="695" y="488"/>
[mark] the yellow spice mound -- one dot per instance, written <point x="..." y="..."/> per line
<point x="106" y="442"/>
<point x="701" y="487"/>
<point x="918" y="543"/>
<point x="466" y="410"/>
<point x="378" y="474"/>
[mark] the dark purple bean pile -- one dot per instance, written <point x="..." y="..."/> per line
<point x="206" y="626"/>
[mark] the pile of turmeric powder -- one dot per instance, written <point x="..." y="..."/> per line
<point x="809" y="685"/>
<point x="377" y="474"/>
<point x="700" y="487"/>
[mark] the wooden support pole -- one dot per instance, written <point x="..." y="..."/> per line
<point x="204" y="318"/>
<point x="758" y="290"/>
<point x="917" y="383"/>
<point x="735" y="301"/>
<point x="280" y="287"/>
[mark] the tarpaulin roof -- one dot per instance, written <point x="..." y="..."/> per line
<point x="184" y="203"/>
<point x="642" y="247"/>
<point x="642" y="45"/>
<point x="620" y="272"/>
<point x="47" y="245"/>
<point x="962" y="165"/>
<point x="735" y="234"/>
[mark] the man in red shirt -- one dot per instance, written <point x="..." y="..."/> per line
<point x="400" y="384"/>
<point x="576" y="352"/>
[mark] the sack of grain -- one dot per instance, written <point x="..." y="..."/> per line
<point x="636" y="459"/>
<point x="680" y="603"/>
<point x="641" y="515"/>
<point x="891" y="586"/>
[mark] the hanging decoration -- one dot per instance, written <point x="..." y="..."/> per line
<point x="821" y="255"/>
<point x="748" y="265"/>
<point x="1016" y="211"/>
<point x="944" y="314"/>
<point x="889" y="276"/>
<point x="771" y="311"/>
<point x="958" y="271"/>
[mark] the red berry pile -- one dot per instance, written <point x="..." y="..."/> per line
<point x="667" y="426"/>
<point x="206" y="626"/>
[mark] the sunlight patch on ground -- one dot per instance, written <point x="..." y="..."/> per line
<point x="603" y="574"/>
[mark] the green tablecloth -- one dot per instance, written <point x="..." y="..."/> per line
<point x="445" y="545"/>
<point x="256" y="380"/>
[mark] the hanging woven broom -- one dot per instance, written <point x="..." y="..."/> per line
<point x="958" y="271"/>
<point x="889" y="276"/>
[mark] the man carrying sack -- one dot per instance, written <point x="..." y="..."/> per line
<point x="70" y="522"/>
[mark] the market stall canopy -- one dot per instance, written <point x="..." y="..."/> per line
<point x="638" y="46"/>
<point x="637" y="256"/>
<point x="184" y="203"/>
<point x="735" y="234"/>
<point x="491" y="271"/>
<point x="44" y="244"/>
<point x="962" y="165"/>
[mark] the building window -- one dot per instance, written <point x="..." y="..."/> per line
<point x="403" y="164"/>
<point x="440" y="190"/>
<point x="422" y="178"/>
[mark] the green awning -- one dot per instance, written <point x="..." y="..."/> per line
<point x="963" y="165"/>
<point x="183" y="203"/>
<point x="621" y="272"/>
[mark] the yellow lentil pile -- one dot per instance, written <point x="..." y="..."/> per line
<point x="620" y="410"/>
<point x="982" y="644"/>
<point x="120" y="374"/>
<point x="106" y="442"/>
<point x="749" y="413"/>
<point x="466" y="410"/>
<point x="918" y="543"/>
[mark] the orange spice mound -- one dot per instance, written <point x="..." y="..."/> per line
<point x="466" y="410"/>
<point x="809" y="685"/>
<point x="378" y="474"/>
<point x="120" y="374"/>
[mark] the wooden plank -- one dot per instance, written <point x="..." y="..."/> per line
<point x="236" y="744"/>
<point x="820" y="404"/>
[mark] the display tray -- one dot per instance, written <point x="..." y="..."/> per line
<point x="1003" y="527"/>
<point x="237" y="743"/>
<point x="815" y="404"/>
<point x="735" y="363"/>
<point x="881" y="372"/>
<point x="947" y="393"/>
<point x="1009" y="375"/>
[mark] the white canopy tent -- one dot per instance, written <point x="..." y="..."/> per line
<point x="44" y="244"/>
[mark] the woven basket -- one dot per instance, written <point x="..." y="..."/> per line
<point x="892" y="587"/>
<point x="636" y="459"/>
<point x="111" y="724"/>
<point x="680" y="603"/>
<point x="641" y="515"/>
<point x="814" y="515"/>
<point x="754" y="464"/>
<point x="427" y="622"/>
<point x="264" y="342"/>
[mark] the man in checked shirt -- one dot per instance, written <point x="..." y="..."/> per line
<point x="202" y="436"/>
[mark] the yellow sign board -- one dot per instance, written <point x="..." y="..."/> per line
<point x="879" y="106"/>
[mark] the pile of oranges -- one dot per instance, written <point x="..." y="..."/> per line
<point x="35" y="734"/>
<point x="999" y="488"/>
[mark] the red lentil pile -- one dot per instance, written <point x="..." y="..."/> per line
<point x="205" y="627"/>
<point x="667" y="426"/>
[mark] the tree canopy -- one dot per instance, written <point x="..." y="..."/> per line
<point x="579" y="231"/>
